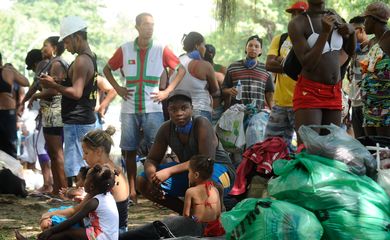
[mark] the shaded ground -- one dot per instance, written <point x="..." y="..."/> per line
<point x="24" y="214"/>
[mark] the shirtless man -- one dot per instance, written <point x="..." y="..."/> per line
<point x="318" y="37"/>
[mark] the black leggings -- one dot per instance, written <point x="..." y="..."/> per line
<point x="8" y="137"/>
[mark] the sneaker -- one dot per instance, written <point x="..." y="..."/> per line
<point x="163" y="230"/>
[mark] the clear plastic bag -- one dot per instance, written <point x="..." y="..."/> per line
<point x="255" y="131"/>
<point x="270" y="219"/>
<point x="340" y="146"/>
<point x="383" y="178"/>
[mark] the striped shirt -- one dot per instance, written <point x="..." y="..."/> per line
<point x="255" y="82"/>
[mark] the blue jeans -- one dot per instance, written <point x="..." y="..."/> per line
<point x="281" y="123"/>
<point x="73" y="152"/>
<point x="131" y="125"/>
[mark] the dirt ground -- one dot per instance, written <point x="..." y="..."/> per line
<point x="23" y="214"/>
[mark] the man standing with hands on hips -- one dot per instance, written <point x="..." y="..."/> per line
<point x="141" y="62"/>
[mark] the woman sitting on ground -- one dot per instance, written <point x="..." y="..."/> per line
<point x="96" y="150"/>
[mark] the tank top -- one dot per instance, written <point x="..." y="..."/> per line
<point x="4" y="86"/>
<point x="185" y="152"/>
<point x="80" y="111"/>
<point x="201" y="99"/>
<point x="55" y="101"/>
<point x="105" y="218"/>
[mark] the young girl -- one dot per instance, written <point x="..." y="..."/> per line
<point x="96" y="150"/>
<point x="76" y="194"/>
<point x="202" y="201"/>
<point x="100" y="209"/>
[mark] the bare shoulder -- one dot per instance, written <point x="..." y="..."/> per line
<point x="191" y="191"/>
<point x="83" y="59"/>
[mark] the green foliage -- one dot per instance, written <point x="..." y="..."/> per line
<point x="266" y="18"/>
<point x="29" y="22"/>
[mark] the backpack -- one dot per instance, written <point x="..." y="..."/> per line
<point x="291" y="65"/>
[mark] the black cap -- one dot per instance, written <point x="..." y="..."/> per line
<point x="33" y="56"/>
<point x="179" y="93"/>
<point x="256" y="37"/>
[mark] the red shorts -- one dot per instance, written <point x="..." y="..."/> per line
<point x="311" y="94"/>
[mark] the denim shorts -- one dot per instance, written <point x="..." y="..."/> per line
<point x="73" y="152"/>
<point x="131" y="125"/>
<point x="203" y="113"/>
<point x="281" y="123"/>
<point x="177" y="185"/>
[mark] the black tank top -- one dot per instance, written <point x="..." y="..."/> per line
<point x="80" y="111"/>
<point x="185" y="152"/>
<point x="4" y="86"/>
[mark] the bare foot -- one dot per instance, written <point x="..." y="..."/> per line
<point x="46" y="189"/>
<point x="19" y="236"/>
<point x="133" y="198"/>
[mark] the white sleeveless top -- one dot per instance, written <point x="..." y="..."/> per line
<point x="105" y="219"/>
<point x="201" y="99"/>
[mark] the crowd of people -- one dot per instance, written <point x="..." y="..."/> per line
<point x="196" y="92"/>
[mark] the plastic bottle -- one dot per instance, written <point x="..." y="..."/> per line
<point x="239" y="90"/>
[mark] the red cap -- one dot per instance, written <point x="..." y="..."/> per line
<point x="298" y="6"/>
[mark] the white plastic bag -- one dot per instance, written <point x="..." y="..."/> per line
<point x="340" y="146"/>
<point x="7" y="161"/>
<point x="230" y="128"/>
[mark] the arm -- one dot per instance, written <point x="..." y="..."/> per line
<point x="269" y="99"/>
<point x="269" y="92"/>
<point x="309" y="57"/>
<point x="348" y="33"/>
<point x="274" y="64"/>
<point x="187" y="203"/>
<point x="17" y="76"/>
<point x="212" y="81"/>
<point x="45" y="94"/>
<point x="33" y="89"/>
<point x="69" y="211"/>
<point x="105" y="86"/>
<point x="228" y="90"/>
<point x="79" y="79"/>
<point x="161" y="95"/>
<point x="170" y="60"/>
<point x="90" y="206"/>
<point x="274" y="60"/>
<point x="157" y="151"/>
<point x="207" y="140"/>
<point x="121" y="91"/>
<point x="58" y="72"/>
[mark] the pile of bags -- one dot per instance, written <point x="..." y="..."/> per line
<point x="329" y="186"/>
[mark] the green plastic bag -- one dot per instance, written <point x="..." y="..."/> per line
<point x="267" y="219"/>
<point x="348" y="206"/>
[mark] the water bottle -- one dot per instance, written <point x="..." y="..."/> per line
<point x="239" y="91"/>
